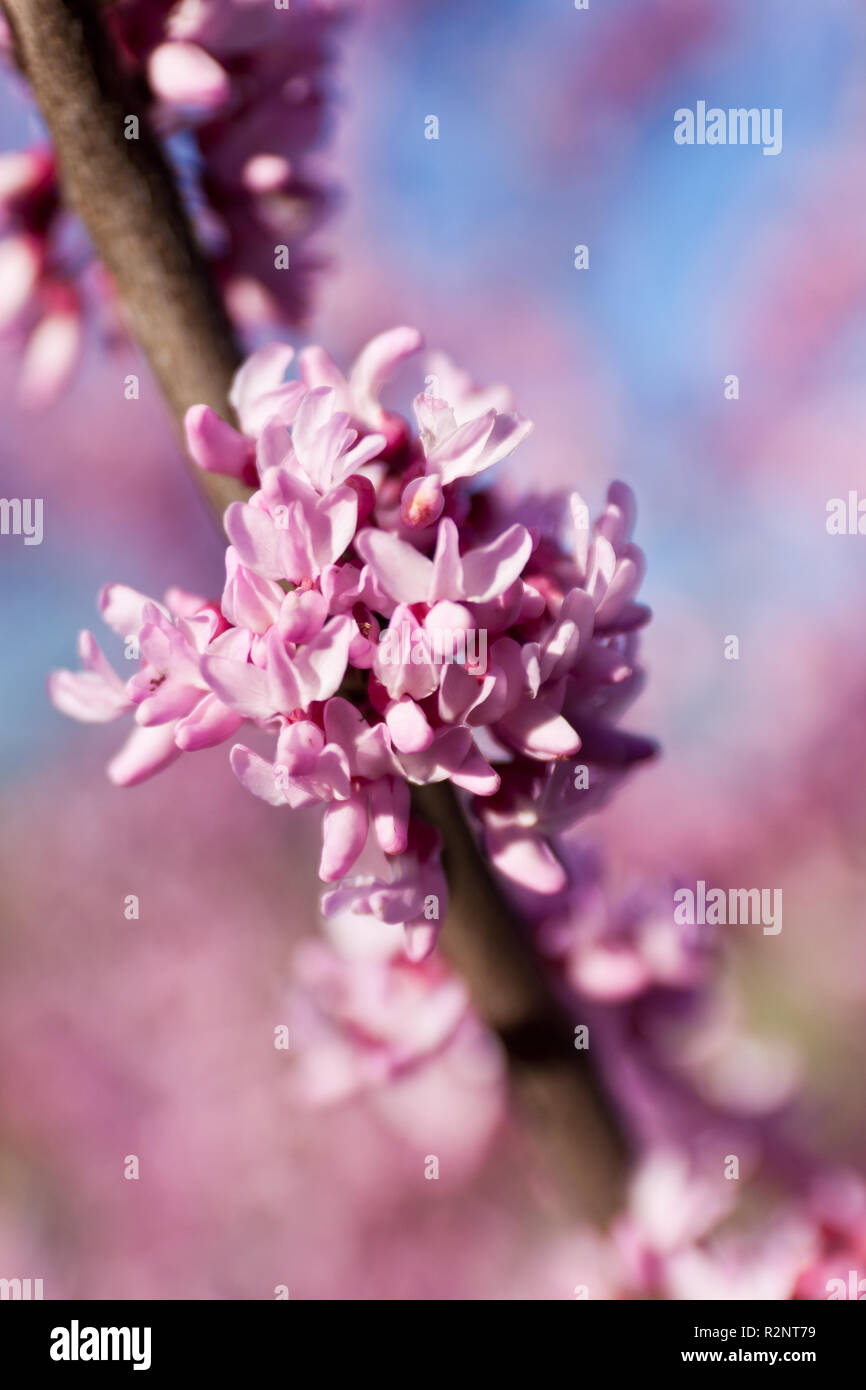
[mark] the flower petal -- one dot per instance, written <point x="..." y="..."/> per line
<point x="525" y="859"/>
<point x="408" y="726"/>
<point x="257" y="775"/>
<point x="215" y="446"/>
<point x="389" y="806"/>
<point x="145" y="752"/>
<point x="185" y="75"/>
<point x="490" y="569"/>
<point x="402" y="570"/>
<point x="240" y="685"/>
<point x="255" y="392"/>
<point x="207" y="725"/>
<point x="344" y="834"/>
<point x="374" y="365"/>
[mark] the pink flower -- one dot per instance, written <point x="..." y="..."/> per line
<point x="617" y="953"/>
<point x="479" y="575"/>
<point x="175" y="709"/>
<point x="473" y="649"/>
<point x="385" y="1018"/>
<point x="358" y="394"/>
<point x="455" y="451"/>
<point x="347" y="764"/>
<point x="412" y="893"/>
<point x="291" y="678"/>
<point x="401" y="1033"/>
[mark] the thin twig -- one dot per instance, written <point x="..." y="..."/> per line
<point x="126" y="195"/>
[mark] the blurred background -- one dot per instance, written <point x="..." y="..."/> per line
<point x="154" y="1036"/>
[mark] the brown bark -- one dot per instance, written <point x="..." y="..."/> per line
<point x="568" y="1112"/>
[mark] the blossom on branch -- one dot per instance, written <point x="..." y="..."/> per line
<point x="344" y="629"/>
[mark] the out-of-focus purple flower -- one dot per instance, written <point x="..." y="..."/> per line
<point x="236" y="89"/>
<point x="370" y="1022"/>
<point x="613" y="951"/>
<point x="837" y="1268"/>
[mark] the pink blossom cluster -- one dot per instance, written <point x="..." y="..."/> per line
<point x="693" y="1086"/>
<point x="367" y="1018"/>
<point x="362" y="527"/>
<point x="366" y="1021"/>
<point x="690" y="1084"/>
<point x="235" y="90"/>
<point x="676" y="1240"/>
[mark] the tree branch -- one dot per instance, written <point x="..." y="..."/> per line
<point x="569" y="1114"/>
<point x="125" y="194"/>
